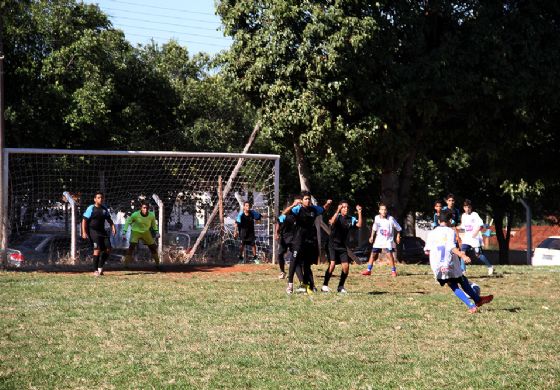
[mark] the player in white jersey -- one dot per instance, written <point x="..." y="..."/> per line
<point x="472" y="224"/>
<point x="446" y="266"/>
<point x="382" y="238"/>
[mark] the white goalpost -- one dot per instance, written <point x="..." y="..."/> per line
<point x="49" y="189"/>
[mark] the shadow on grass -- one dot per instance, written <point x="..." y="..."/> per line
<point x="135" y="269"/>
<point x="394" y="293"/>
<point x="495" y="276"/>
<point x="376" y="293"/>
<point x="509" y="309"/>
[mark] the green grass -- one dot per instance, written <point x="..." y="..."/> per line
<point x="241" y="330"/>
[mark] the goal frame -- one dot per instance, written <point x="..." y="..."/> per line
<point x="240" y="156"/>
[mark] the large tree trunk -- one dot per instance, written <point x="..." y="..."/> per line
<point x="503" y="239"/>
<point x="406" y="178"/>
<point x="396" y="181"/>
<point x="303" y="168"/>
<point x="390" y="189"/>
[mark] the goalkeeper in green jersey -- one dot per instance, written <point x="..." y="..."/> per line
<point x="142" y="223"/>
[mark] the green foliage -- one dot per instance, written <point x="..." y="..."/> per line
<point x="73" y="81"/>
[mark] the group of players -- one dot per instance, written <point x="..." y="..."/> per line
<point x="296" y="233"/>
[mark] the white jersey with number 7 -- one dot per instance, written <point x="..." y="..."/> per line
<point x="443" y="262"/>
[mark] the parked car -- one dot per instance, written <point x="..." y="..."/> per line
<point x="547" y="252"/>
<point x="412" y="249"/>
<point x="45" y="247"/>
<point x="361" y="253"/>
<point x="15" y="258"/>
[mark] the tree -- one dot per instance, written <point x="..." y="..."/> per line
<point x="326" y="74"/>
<point x="73" y="81"/>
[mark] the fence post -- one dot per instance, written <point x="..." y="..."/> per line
<point x="276" y="208"/>
<point x="160" y="223"/>
<point x="72" y="224"/>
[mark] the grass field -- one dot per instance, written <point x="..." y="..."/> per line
<point x="241" y="330"/>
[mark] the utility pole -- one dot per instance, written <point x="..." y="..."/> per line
<point x="3" y="216"/>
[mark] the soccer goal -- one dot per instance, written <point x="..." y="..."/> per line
<point x="196" y="198"/>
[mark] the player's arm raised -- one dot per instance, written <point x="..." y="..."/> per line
<point x="359" y="211"/>
<point x="288" y="209"/>
<point x="332" y="220"/>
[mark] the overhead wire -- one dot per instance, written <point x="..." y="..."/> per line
<point x="175" y="32"/>
<point x="162" y="8"/>
<point x="159" y="15"/>
<point x="117" y="23"/>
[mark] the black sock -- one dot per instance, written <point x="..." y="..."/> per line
<point x="95" y="262"/>
<point x="327" y="277"/>
<point x="282" y="263"/>
<point x="299" y="273"/>
<point x="292" y="270"/>
<point x="104" y="257"/>
<point x="343" y="276"/>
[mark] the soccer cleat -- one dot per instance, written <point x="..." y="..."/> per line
<point x="490" y="271"/>
<point x="473" y="309"/>
<point x="309" y="290"/>
<point x="394" y="274"/>
<point x="282" y="275"/>
<point x="484" y="300"/>
<point x="342" y="290"/>
<point x="289" y="290"/>
<point x="96" y="273"/>
<point x="325" y="289"/>
<point x="301" y="288"/>
<point x="366" y="272"/>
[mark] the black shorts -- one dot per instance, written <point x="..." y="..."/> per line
<point x="248" y="242"/>
<point x="284" y="247"/>
<point x="338" y="255"/>
<point x="308" y="253"/>
<point x="99" y="240"/>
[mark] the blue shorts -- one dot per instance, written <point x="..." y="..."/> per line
<point x="379" y="250"/>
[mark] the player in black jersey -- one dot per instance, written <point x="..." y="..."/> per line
<point x="341" y="223"/>
<point x="245" y="229"/>
<point x="285" y="231"/>
<point x="93" y="227"/>
<point x="306" y="250"/>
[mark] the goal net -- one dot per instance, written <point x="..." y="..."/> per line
<point x="182" y="188"/>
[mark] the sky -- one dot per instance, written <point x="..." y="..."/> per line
<point x="193" y="23"/>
